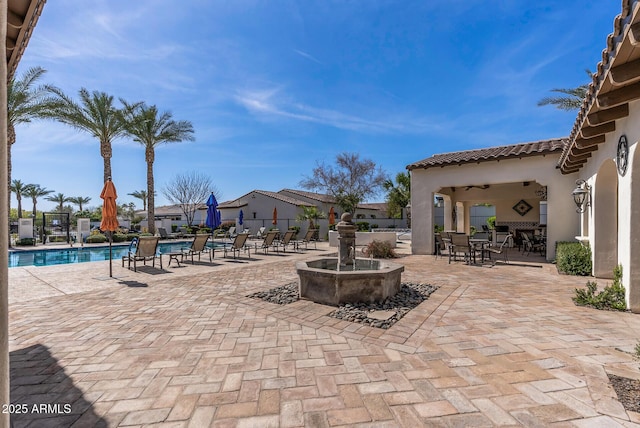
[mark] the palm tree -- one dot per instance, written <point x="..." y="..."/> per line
<point x="398" y="194"/>
<point x="79" y="201"/>
<point x="59" y="199"/>
<point x="25" y="102"/>
<point x="310" y="213"/>
<point x="573" y="97"/>
<point x="35" y="192"/>
<point x="142" y="195"/>
<point x="95" y="115"/>
<point x="19" y="188"/>
<point x="149" y="128"/>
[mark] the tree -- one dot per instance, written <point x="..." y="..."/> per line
<point x="149" y="128"/>
<point x="310" y="213"/>
<point x="95" y="115"/>
<point x="25" y="102"/>
<point x="34" y="192"/>
<point x="573" y="99"/>
<point x="351" y="182"/>
<point x="79" y="201"/>
<point x="190" y="191"/>
<point x="142" y="195"/>
<point x="19" y="188"/>
<point x="398" y="194"/>
<point x="59" y="199"/>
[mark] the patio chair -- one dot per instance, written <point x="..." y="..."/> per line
<point x="502" y="249"/>
<point x="460" y="245"/>
<point x="239" y="244"/>
<point x="198" y="246"/>
<point x="308" y="238"/>
<point x="440" y="245"/>
<point x="142" y="249"/>
<point x="287" y="240"/>
<point x="270" y="241"/>
<point x="530" y="245"/>
<point x="260" y="234"/>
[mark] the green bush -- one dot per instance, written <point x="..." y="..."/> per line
<point x="96" y="239"/>
<point x="119" y="237"/>
<point x="379" y="250"/>
<point x="26" y="241"/>
<point x="491" y="222"/>
<point x="363" y="226"/>
<point x="573" y="258"/>
<point x="375" y="226"/>
<point x="611" y="298"/>
<point x="56" y="238"/>
<point x="130" y="236"/>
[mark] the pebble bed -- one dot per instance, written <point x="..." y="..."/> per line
<point x="409" y="296"/>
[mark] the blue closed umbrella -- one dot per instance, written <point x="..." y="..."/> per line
<point x="240" y="217"/>
<point x="213" y="215"/>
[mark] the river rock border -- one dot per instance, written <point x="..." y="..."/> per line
<point x="380" y="315"/>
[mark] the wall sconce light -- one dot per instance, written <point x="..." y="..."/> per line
<point x="582" y="195"/>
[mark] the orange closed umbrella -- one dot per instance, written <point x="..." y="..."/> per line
<point x="275" y="215"/>
<point x="109" y="213"/>
<point x="332" y="216"/>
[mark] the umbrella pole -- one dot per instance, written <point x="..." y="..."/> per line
<point x="110" y="254"/>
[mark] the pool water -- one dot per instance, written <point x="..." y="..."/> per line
<point x="83" y="254"/>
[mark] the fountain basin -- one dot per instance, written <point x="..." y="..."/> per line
<point x="367" y="281"/>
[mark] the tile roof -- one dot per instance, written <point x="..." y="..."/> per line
<point x="236" y="203"/>
<point x="536" y="148"/>
<point x="311" y="195"/>
<point x="620" y="51"/>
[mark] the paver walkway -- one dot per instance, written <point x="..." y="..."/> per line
<point x="493" y="346"/>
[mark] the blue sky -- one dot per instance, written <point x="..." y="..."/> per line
<point x="272" y="87"/>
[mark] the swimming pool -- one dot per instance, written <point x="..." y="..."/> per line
<point x="58" y="256"/>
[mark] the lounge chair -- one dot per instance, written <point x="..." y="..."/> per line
<point x="238" y="245"/>
<point x="308" y="238"/>
<point x="164" y="235"/>
<point x="230" y="233"/>
<point x="198" y="246"/>
<point x="142" y="249"/>
<point x="270" y="241"/>
<point x="531" y="245"/>
<point x="287" y="240"/>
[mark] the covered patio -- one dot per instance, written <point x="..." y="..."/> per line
<point x="520" y="180"/>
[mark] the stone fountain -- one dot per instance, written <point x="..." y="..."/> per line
<point x="347" y="279"/>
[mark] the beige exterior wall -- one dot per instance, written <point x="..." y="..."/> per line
<point x="505" y="179"/>
<point x="610" y="231"/>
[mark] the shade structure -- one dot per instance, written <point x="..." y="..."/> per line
<point x="275" y="215"/>
<point x="240" y="217"/>
<point x="332" y="216"/>
<point x="213" y="215"/>
<point x="109" y="221"/>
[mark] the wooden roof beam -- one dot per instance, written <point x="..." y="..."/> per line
<point x="583" y="143"/>
<point x="635" y="34"/>
<point x="14" y="20"/>
<point x="566" y="171"/>
<point x="625" y="72"/>
<point x="603" y="116"/>
<point x="593" y="131"/>
<point x="579" y="151"/>
<point x="619" y="96"/>
<point x="573" y="159"/>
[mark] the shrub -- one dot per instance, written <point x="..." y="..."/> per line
<point x="26" y="241"/>
<point x="227" y="225"/>
<point x="174" y="228"/>
<point x="130" y="236"/>
<point x="374" y="226"/>
<point x="573" y="258"/>
<point x="119" y="237"/>
<point x="611" y="298"/>
<point x="205" y="230"/>
<point x="57" y="238"/>
<point x="379" y="250"/>
<point x="363" y="226"/>
<point x="491" y="222"/>
<point x="96" y="239"/>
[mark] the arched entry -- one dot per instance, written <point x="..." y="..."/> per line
<point x="605" y="220"/>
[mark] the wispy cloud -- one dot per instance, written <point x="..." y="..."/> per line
<point x="269" y="103"/>
<point x="308" y="56"/>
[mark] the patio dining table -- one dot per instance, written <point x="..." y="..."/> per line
<point x="480" y="244"/>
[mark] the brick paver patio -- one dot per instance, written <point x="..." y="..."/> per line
<point x="493" y="346"/>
